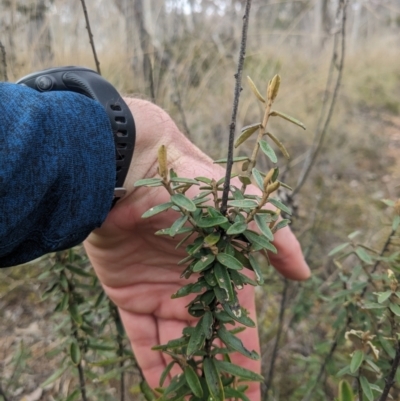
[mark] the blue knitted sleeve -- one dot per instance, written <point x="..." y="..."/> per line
<point x="57" y="171"/>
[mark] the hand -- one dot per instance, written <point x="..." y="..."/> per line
<point x="139" y="271"/>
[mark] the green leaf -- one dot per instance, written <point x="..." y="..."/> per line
<point x="239" y="315"/>
<point x="247" y="132"/>
<point x="238" y="371"/>
<point x="268" y="151"/>
<point x="275" y="175"/>
<point x="243" y="204"/>
<point x="183" y="230"/>
<point x="373" y="305"/>
<point x="206" y="323"/>
<point x="343" y="371"/>
<point x="184" y="180"/>
<point x="197" y="339"/>
<point x="235" y="159"/>
<point x="78" y="270"/>
<point x="224" y="281"/>
<point x="356" y="360"/>
<point x="363" y="255"/>
<point x="283" y="223"/>
<point x="165" y="373"/>
<point x="147" y="391"/>
<point x="203" y="263"/>
<point x="366" y="388"/>
<point x="203" y="179"/>
<point x="262" y="224"/>
<point x="235" y="343"/>
<point x="345" y="391"/>
<point x="212" y="238"/>
<point x="213" y="380"/>
<point x="178" y="224"/>
<point x="148" y="181"/>
<point x="177" y="383"/>
<point x="157" y="209"/>
<point x="240" y="279"/>
<point x="259" y="240"/>
<point x="274" y="113"/>
<point x="279" y="205"/>
<point x="183" y="202"/>
<point x="395" y="309"/>
<point x="207" y="222"/>
<point x="338" y="248"/>
<point x="396" y="223"/>
<point x="280" y="145"/>
<point x="257" y="269"/>
<point x="258" y="177"/>
<point x="56" y="375"/>
<point x="387" y="346"/>
<point x="75" y="353"/>
<point x="193" y="381"/>
<point x="384" y="296"/>
<point x="74" y="395"/>
<point x="210" y="278"/>
<point x="229" y="261"/>
<point x="74" y="312"/>
<point x="231" y="393"/>
<point x="237" y="228"/>
<point x="183" y="291"/>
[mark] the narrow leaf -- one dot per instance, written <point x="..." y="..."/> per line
<point x="147" y="391"/>
<point x="207" y="222"/>
<point x="204" y="262"/>
<point x="196" y="340"/>
<point x="206" y="323"/>
<point x="165" y="373"/>
<point x="259" y="240"/>
<point x="274" y="113"/>
<point x="235" y="343"/>
<point x="345" y="391"/>
<point x="395" y="309"/>
<point x="280" y="145"/>
<point x="366" y="388"/>
<point x="239" y="315"/>
<point x="338" y="248"/>
<point x="384" y="296"/>
<point x="229" y="261"/>
<point x="177" y="225"/>
<point x="57" y="374"/>
<point x="235" y="159"/>
<point x="183" y="202"/>
<point x="262" y="224"/>
<point x="193" y="381"/>
<point x="245" y="203"/>
<point x="259" y="179"/>
<point x="247" y="132"/>
<point x="224" y="281"/>
<point x="283" y="223"/>
<point x="157" y="209"/>
<point x="238" y="371"/>
<point x="268" y="151"/>
<point x="254" y="89"/>
<point x="356" y="360"/>
<point x="148" y="181"/>
<point x="212" y="238"/>
<point x="237" y="228"/>
<point x="213" y="380"/>
<point x="75" y="353"/>
<point x="363" y="255"/>
<point x="184" y="180"/>
<point x="256" y="268"/>
<point x="278" y="204"/>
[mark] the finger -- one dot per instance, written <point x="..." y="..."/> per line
<point x="143" y="334"/>
<point x="289" y="260"/>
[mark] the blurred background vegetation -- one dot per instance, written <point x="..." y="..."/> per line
<point x="182" y="54"/>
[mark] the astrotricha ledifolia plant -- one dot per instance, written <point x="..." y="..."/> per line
<point x="221" y="246"/>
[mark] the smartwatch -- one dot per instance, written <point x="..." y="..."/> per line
<point x="89" y="83"/>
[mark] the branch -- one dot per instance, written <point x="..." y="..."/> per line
<point x="4" y="61"/>
<point x="321" y="134"/>
<point x="390" y="379"/>
<point x="238" y="88"/>
<point x="96" y="60"/>
<point x="178" y="102"/>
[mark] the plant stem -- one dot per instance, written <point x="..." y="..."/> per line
<point x="232" y="126"/>
<point x="4" y="61"/>
<point x="390" y="379"/>
<point x="96" y="60"/>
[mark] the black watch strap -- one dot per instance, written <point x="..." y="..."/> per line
<point x="89" y="83"/>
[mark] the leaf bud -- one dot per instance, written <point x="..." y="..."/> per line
<point x="268" y="177"/>
<point x="273" y="187"/>
<point x="162" y="162"/>
<point x="273" y="87"/>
